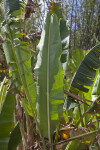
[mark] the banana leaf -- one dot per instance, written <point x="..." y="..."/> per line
<point x="11" y="5"/>
<point x="85" y="74"/>
<point x="94" y="108"/>
<point x="15" y="138"/>
<point x="18" y="56"/>
<point x="50" y="94"/>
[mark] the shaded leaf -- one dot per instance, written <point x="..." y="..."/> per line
<point x="93" y="108"/>
<point x="69" y="103"/>
<point x="11" y="5"/>
<point x="15" y="138"/>
<point x="6" y="120"/>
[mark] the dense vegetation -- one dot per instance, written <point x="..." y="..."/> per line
<point x="49" y="79"/>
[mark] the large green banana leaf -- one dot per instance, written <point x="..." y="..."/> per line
<point x="6" y="115"/>
<point x="85" y="74"/>
<point x="50" y="93"/>
<point x="18" y="58"/>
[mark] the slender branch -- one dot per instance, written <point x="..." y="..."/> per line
<point x="81" y="120"/>
<point x="76" y="137"/>
<point x="97" y="99"/>
<point x="96" y="121"/>
<point x="77" y="97"/>
<point x="84" y="102"/>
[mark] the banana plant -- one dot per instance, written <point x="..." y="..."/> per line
<point x="18" y="54"/>
<point x="43" y="100"/>
<point x="50" y="94"/>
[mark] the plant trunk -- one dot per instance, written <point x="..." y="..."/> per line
<point x="30" y="133"/>
<point x="20" y="118"/>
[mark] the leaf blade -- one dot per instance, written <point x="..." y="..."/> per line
<point x="49" y="79"/>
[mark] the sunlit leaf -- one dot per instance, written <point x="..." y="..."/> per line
<point x="96" y="87"/>
<point x="50" y="94"/>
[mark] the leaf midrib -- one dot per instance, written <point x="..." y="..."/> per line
<point x="48" y="69"/>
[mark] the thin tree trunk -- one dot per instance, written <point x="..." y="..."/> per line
<point x="70" y="51"/>
<point x="30" y="133"/>
<point x="19" y="115"/>
<point x="98" y="24"/>
<point x="75" y="26"/>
